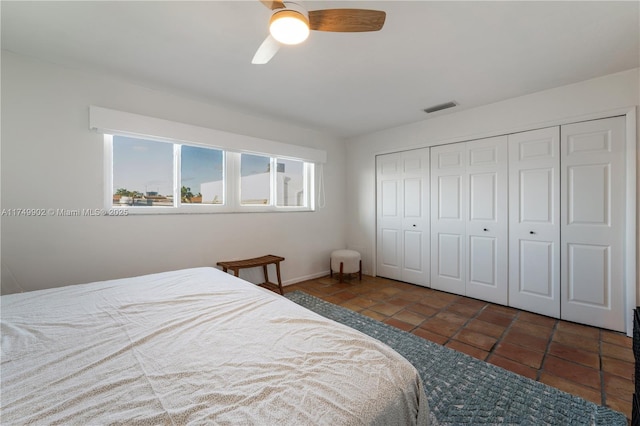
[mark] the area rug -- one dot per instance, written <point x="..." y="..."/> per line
<point x="464" y="390"/>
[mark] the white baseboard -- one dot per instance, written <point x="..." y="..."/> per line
<point x="305" y="278"/>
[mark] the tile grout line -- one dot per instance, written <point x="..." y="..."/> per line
<point x="603" y="392"/>
<point x="499" y="339"/>
<point x="504" y="333"/>
<point x="464" y="325"/>
<point x="415" y="327"/>
<point x="439" y="310"/>
<point x="546" y="350"/>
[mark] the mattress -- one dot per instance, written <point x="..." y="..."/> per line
<point x="195" y="346"/>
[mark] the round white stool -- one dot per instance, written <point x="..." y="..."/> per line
<point x="346" y="262"/>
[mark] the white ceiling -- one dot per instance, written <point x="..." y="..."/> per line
<point x="428" y="53"/>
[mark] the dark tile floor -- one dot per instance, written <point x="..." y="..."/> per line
<point x="593" y="363"/>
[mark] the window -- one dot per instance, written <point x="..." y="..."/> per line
<point x="201" y="175"/>
<point x="270" y="180"/>
<point x="183" y="168"/>
<point x="155" y="176"/>
<point x="142" y="172"/>
<point x="255" y="180"/>
<point x="290" y="183"/>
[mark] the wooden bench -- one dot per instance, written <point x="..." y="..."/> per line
<point x="236" y="265"/>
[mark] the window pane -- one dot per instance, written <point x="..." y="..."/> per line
<point x="201" y="175"/>
<point x="290" y="183"/>
<point x="142" y="172"/>
<point x="255" y="179"/>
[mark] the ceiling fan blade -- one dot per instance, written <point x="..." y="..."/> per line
<point x="266" y="51"/>
<point x="273" y="4"/>
<point x="346" y="20"/>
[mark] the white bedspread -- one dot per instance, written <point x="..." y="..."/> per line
<point x="194" y="346"/>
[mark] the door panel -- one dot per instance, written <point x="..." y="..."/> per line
<point x="449" y="158"/>
<point x="450" y="198"/>
<point x="413" y="256"/>
<point x="483" y="197"/>
<point x="536" y="194"/>
<point x="412" y="203"/>
<point x="390" y="254"/>
<point x="593" y="222"/>
<point x="588" y="286"/>
<point x="403" y="216"/>
<point x="483" y="155"/>
<point x="389" y="198"/>
<point x="536" y="261"/>
<point x="448" y="212"/>
<point x="534" y="221"/>
<point x="588" y="195"/>
<point x="450" y="256"/>
<point x="483" y="270"/>
<point x="487" y="220"/>
<point x="415" y="217"/>
<point x="389" y="218"/>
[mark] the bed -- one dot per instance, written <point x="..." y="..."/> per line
<point x="195" y="346"/>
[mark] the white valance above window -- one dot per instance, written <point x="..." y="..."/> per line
<point x="109" y="121"/>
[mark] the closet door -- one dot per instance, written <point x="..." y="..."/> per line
<point x="448" y="217"/>
<point x="534" y="221"/>
<point x="592" y="234"/>
<point x="487" y="220"/>
<point x="469" y="218"/>
<point x="403" y="216"/>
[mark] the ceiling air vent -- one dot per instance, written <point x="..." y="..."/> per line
<point x="440" y="107"/>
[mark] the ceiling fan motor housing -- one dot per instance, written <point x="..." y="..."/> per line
<point x="290" y="25"/>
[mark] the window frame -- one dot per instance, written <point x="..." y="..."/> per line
<point x="231" y="184"/>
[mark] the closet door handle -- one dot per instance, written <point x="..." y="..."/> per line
<point x="485" y="229"/>
<point x="414" y="225"/>
<point x="531" y="232"/>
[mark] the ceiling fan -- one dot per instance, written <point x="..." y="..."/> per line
<point x="290" y="24"/>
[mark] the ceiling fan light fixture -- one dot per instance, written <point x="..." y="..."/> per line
<point x="289" y="26"/>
